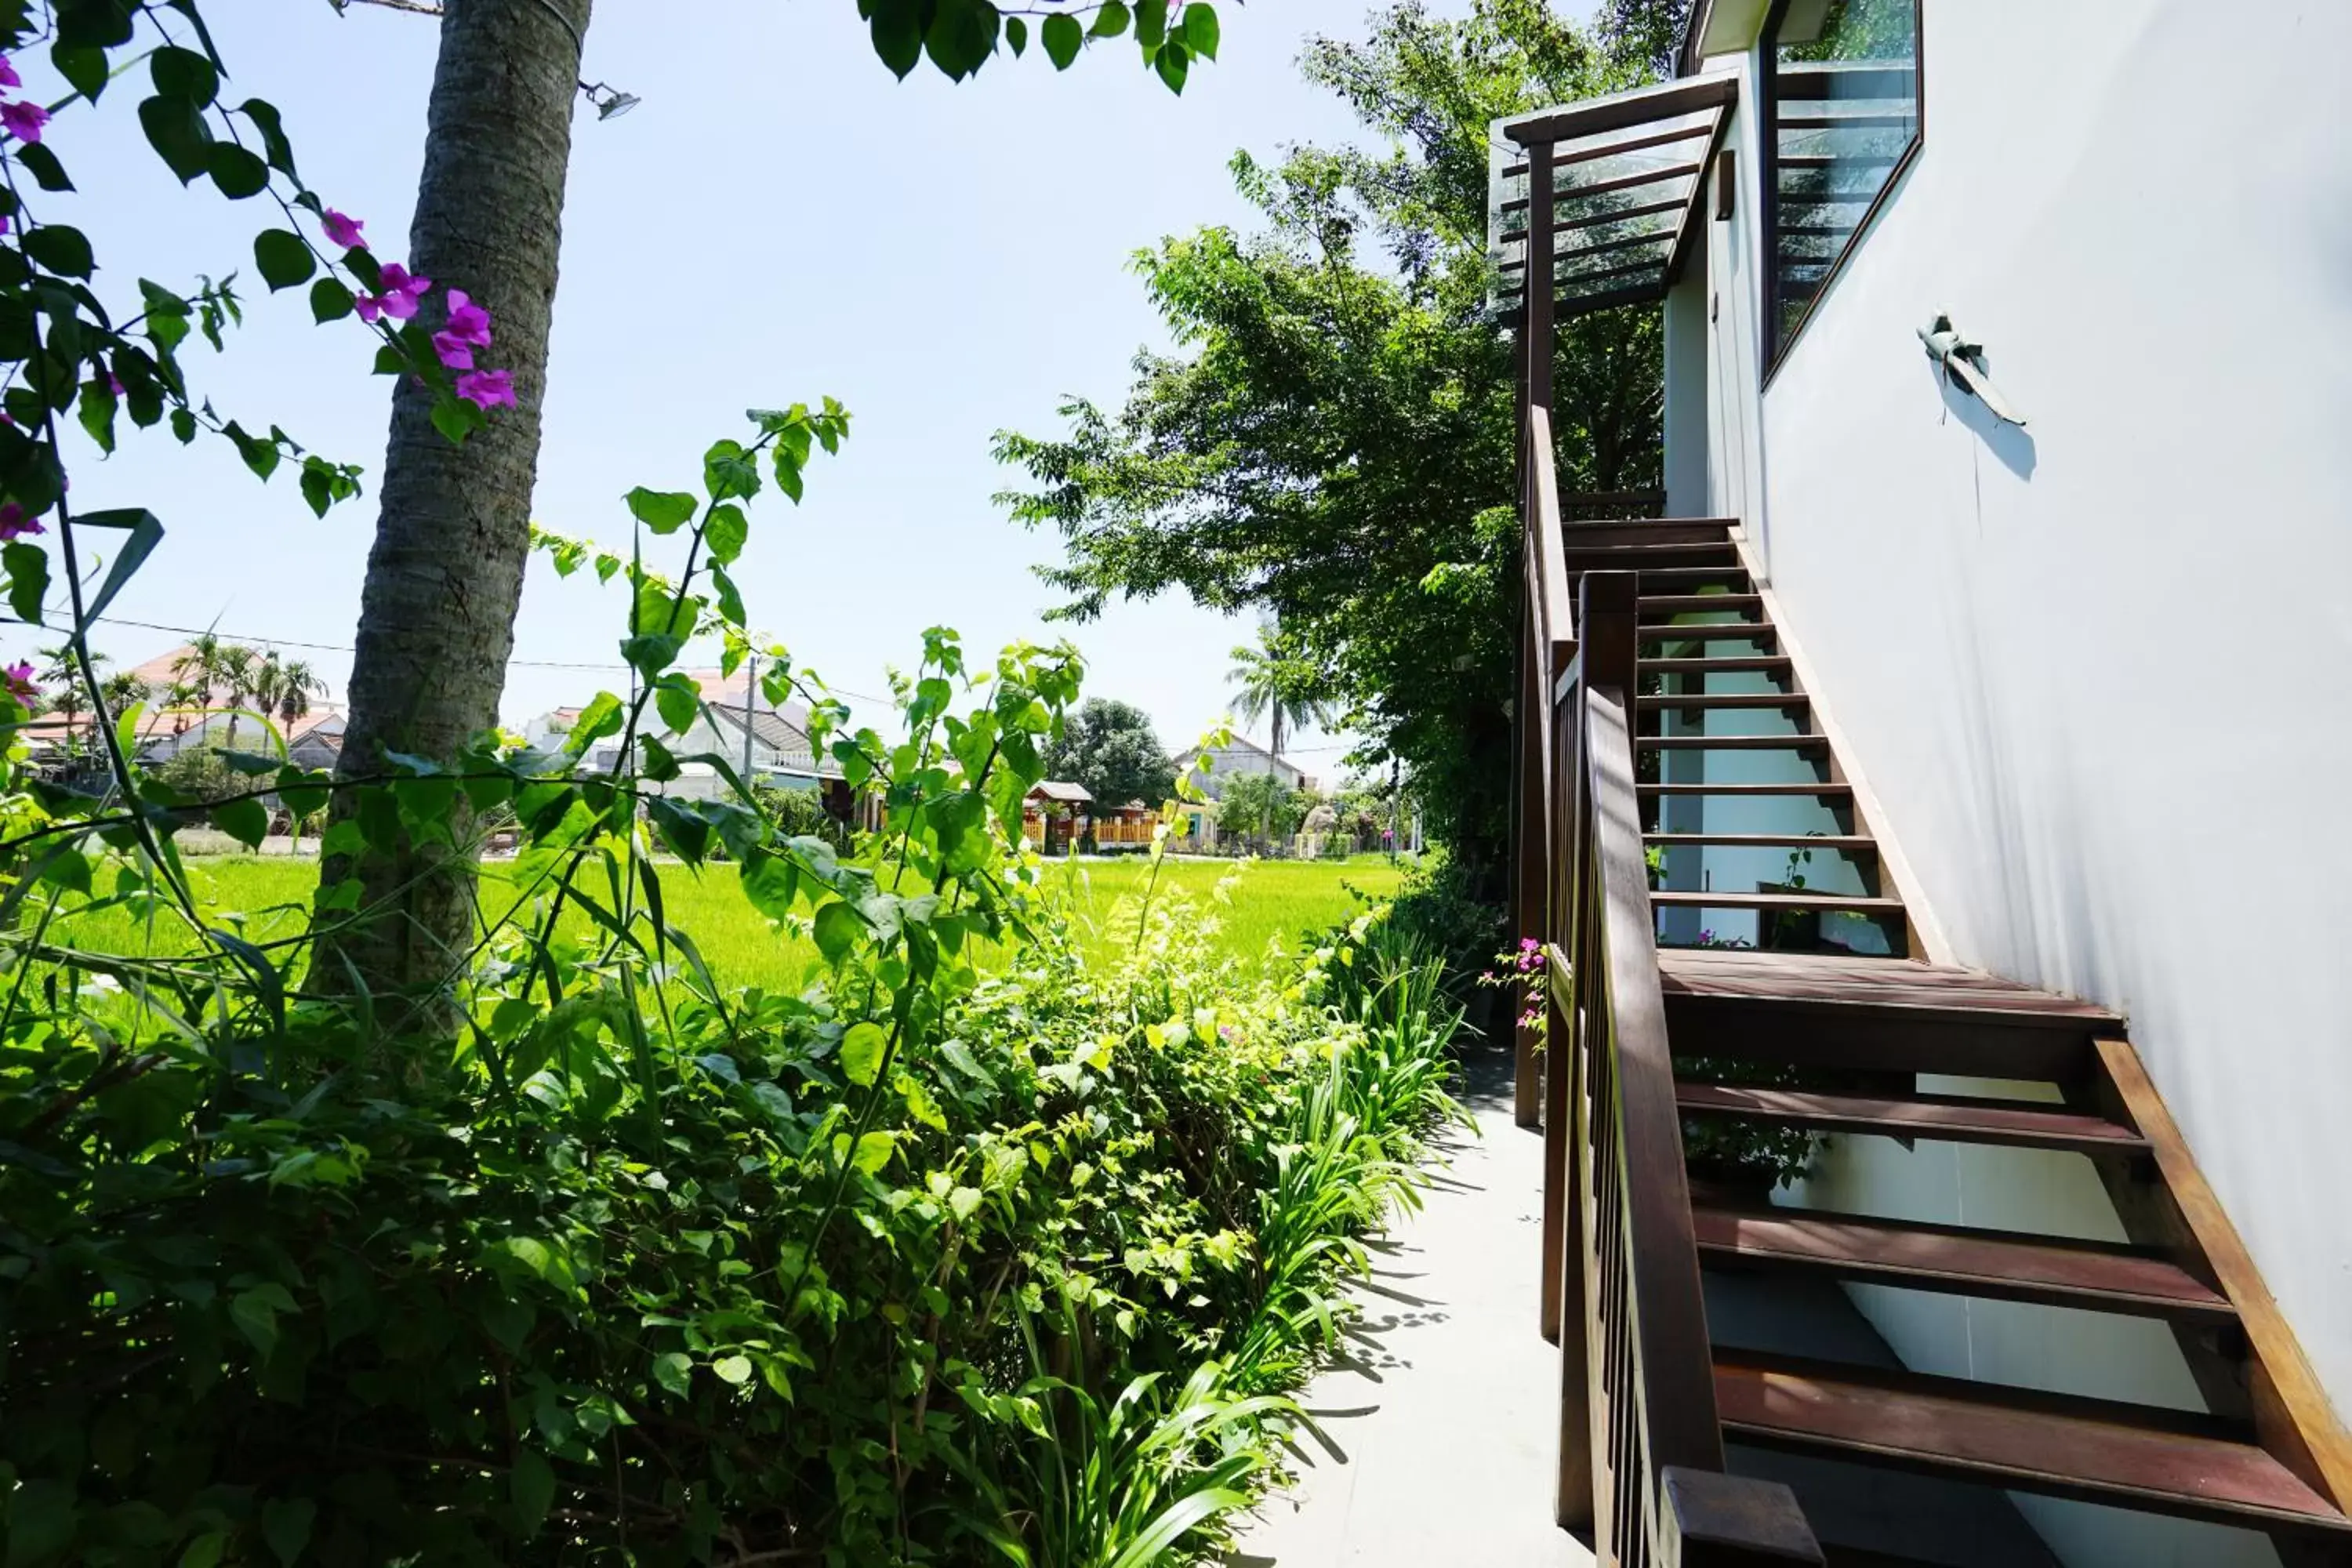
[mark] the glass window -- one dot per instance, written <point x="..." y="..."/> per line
<point x="1841" y="107"/>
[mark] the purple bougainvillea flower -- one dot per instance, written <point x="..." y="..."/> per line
<point x="468" y="322"/>
<point x="370" y="307"/>
<point x="8" y="77"/>
<point x="455" y="353"/>
<point x="344" y="230"/>
<point x="15" y="524"/>
<point x="24" y="121"/>
<point x="397" y="292"/>
<point x="19" y="679"/>
<point x="487" y="388"/>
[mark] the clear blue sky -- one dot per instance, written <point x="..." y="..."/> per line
<point x="780" y="219"/>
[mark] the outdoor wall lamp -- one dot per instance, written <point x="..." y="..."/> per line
<point x="1962" y="363"/>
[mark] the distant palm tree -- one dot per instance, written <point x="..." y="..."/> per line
<point x="240" y="672"/>
<point x="198" y="669"/>
<point x="297" y="684"/>
<point x="62" y="677"/>
<point x="121" y="690"/>
<point x="1266" y="681"/>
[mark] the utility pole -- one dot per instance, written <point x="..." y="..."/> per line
<point x="750" y="684"/>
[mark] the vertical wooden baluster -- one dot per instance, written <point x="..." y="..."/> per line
<point x="1572" y="1490"/>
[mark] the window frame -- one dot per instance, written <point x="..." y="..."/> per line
<point x="1768" y="138"/>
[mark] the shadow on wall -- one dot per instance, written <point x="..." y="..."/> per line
<point x="2009" y="442"/>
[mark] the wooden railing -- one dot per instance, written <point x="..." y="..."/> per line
<point x="1641" y="1449"/>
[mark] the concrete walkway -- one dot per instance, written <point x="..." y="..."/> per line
<point x="1438" y="1431"/>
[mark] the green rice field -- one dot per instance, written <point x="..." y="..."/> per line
<point x="1272" y="900"/>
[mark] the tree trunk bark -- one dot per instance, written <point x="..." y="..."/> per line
<point x="445" y="577"/>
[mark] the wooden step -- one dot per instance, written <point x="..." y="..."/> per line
<point x="1774" y="663"/>
<point x="1950" y="1119"/>
<point x="1647" y="530"/>
<point x="1724" y="700"/>
<point x="1648" y="558"/>
<point x="1720" y="631"/>
<point x="1815" y="903"/>
<point x="2002" y="1264"/>
<point x="2128" y="1456"/>
<point x="1730" y="743"/>
<point x="1826" y="791"/>
<point x="1875" y="1013"/>
<point x="1845" y="843"/>
<point x="1651" y="604"/>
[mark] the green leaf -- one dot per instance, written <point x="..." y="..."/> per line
<point x="329" y="301"/>
<point x="964" y="1202"/>
<point x="61" y="250"/>
<point x="28" y="579"/>
<point x="873" y="1152"/>
<point x="42" y="1520"/>
<point x="663" y="511"/>
<point x="1201" y="30"/>
<point x="602" y="717"/>
<point x="456" y="418"/>
<point x="143" y="530"/>
<point x="897" y="32"/>
<point x="84" y="67"/>
<point x="246" y="820"/>
<point x="1016" y="33"/>
<point x="676" y="700"/>
<point x="1150" y="23"/>
<point x="185" y="73"/>
<point x="837" y="927"/>
<point x="236" y="172"/>
<point x="286" y="1525"/>
<point x="1172" y="62"/>
<point x="683" y="830"/>
<point x="675" y="1372"/>
<point x="254" y="1313"/>
<point x="273" y="136"/>
<point x="46" y="172"/>
<point x="531" y="1485"/>
<point x="1063" y="37"/>
<point x="862" y="1047"/>
<point x="727" y="470"/>
<point x="725" y="532"/>
<point x="96" y="413"/>
<point x="650" y="653"/>
<point x="285" y="260"/>
<point x="734" y="1369"/>
<point x="178" y="133"/>
<point x="1110" y="21"/>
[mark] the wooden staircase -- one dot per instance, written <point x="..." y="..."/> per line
<point x="1819" y="1016"/>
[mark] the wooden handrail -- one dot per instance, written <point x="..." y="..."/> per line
<point x="1641" y="1448"/>
<point x="1555" y="609"/>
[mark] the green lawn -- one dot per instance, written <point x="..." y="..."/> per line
<point x="1272" y="898"/>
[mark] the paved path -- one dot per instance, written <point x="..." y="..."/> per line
<point x="1438" y="1430"/>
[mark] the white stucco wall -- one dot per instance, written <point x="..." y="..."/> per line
<point x="2089" y="668"/>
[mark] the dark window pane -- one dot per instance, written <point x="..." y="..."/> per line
<point x="1841" y="111"/>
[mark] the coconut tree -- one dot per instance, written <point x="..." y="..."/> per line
<point x="296" y="682"/>
<point x="1270" y="683"/>
<point x="61" y="677"/>
<point x="240" y="677"/>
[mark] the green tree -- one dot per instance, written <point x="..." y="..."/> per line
<point x="61" y="678"/>
<point x="1272" y="684"/>
<point x="1262" y="804"/>
<point x="1110" y="747"/>
<point x="1333" y="439"/>
<point x="445" y="577"/>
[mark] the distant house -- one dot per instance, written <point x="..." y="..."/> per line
<point x="1240" y="756"/>
<point x="1056" y="815"/>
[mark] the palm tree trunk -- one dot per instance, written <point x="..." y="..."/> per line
<point x="445" y="577"/>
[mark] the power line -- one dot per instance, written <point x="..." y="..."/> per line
<point x="346" y="648"/>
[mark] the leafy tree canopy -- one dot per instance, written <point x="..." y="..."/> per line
<point x="1110" y="747"/>
<point x="1261" y="804"/>
<point x="1333" y="439"/>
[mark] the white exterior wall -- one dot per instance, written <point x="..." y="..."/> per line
<point x="2086" y="668"/>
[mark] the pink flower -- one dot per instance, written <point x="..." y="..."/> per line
<point x="468" y="322"/>
<point x="24" y="121"/>
<point x="8" y="77"/>
<point x="15" y="524"/>
<point x="397" y="296"/>
<point x="18" y="680"/>
<point x="452" y="350"/>
<point x="487" y="388"/>
<point x="345" y="231"/>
